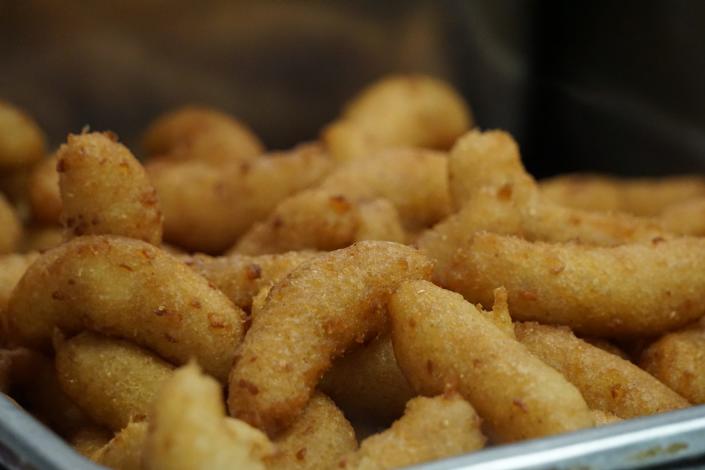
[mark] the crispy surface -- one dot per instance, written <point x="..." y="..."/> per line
<point x="443" y="342"/>
<point x="402" y="110"/>
<point x="189" y="429"/>
<point x="607" y="382"/>
<point x="634" y="289"/>
<point x="12" y="268"/>
<point x="113" y="381"/>
<point x="685" y="218"/>
<point x="241" y="277"/>
<point x="316" y="439"/>
<point x="88" y="440"/>
<point x="678" y="360"/>
<point x="21" y="141"/>
<point x="367" y="382"/>
<point x="431" y="429"/>
<point x="311" y="317"/>
<point x="43" y="191"/>
<point x="602" y="417"/>
<point x="206" y="208"/>
<point x="197" y="132"/>
<point x="124" y="451"/>
<point x="379" y="220"/>
<point x="110" y="285"/>
<point x="10" y="227"/>
<point x="105" y="190"/>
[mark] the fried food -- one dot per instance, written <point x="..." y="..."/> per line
<point x="686" y="218"/>
<point x="90" y="439"/>
<point x="189" y="429"/>
<point x="637" y="289"/>
<point x="443" y="342"/>
<point x="44" y="193"/>
<point x="12" y="268"/>
<point x="17" y="367"/>
<point x="676" y="359"/>
<point x="607" y="382"/>
<point x="402" y="110"/>
<point x="42" y="239"/>
<point x="21" y="141"/>
<point x="113" y="381"/>
<point x="10" y="227"/>
<point x="105" y="190"/>
<point x="129" y="289"/>
<point x="602" y="418"/>
<point x="201" y="133"/>
<point x="317" y="439"/>
<point x="206" y="208"/>
<point x="125" y="450"/>
<point x="367" y="382"/>
<point x="296" y="335"/>
<point x="431" y="428"/>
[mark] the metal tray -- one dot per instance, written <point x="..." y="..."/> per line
<point x="670" y="440"/>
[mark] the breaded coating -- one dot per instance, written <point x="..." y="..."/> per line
<point x="125" y="450"/>
<point x="602" y="418"/>
<point x="414" y="180"/>
<point x="113" y="381"/>
<point x="201" y="133"/>
<point x="90" y="439"/>
<point x="443" y="342"/>
<point x="189" y="429"/>
<point x="607" y="382"/>
<point x="316" y="440"/>
<point x="44" y="193"/>
<point x="379" y="220"/>
<point x="21" y="141"/>
<point x="105" y="190"/>
<point x="685" y="218"/>
<point x="10" y="227"/>
<point x="12" y="268"/>
<point x="678" y="360"/>
<point x="638" y="289"/>
<point x="431" y="429"/>
<point x="311" y="317"/>
<point x="368" y="383"/>
<point x="206" y="208"/>
<point x="241" y="277"/>
<point x="110" y="285"/>
<point x="401" y="110"/>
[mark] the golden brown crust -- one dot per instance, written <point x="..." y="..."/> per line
<point x="21" y="141"/>
<point x="44" y="193"/>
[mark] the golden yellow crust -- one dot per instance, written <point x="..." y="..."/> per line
<point x="10" y="227"/>
<point x="44" y="193"/>
<point x="124" y="451"/>
<point x="21" y="141"/>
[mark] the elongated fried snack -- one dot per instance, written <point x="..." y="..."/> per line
<point x="414" y="180"/>
<point x="687" y="217"/>
<point x="206" y="208"/>
<point x="105" y="190"/>
<point x="124" y="451"/>
<point x="111" y="284"/>
<point x="10" y="227"/>
<point x="89" y="440"/>
<point x="44" y="193"/>
<point x="296" y="335"/>
<point x="241" y="277"/>
<point x="431" y="428"/>
<point x="607" y="382"/>
<point x="12" y="268"/>
<point x="21" y="141"/>
<point x="317" y="439"/>
<point x="443" y="342"/>
<point x="403" y="110"/>
<point x="676" y="359"/>
<point x="319" y="220"/>
<point x="629" y="290"/>
<point x="189" y="429"/>
<point x="113" y="381"/>
<point x="197" y="132"/>
<point x="367" y="382"/>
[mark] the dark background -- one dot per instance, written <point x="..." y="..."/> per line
<point x="611" y="86"/>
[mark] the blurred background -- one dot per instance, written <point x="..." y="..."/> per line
<point x="584" y="85"/>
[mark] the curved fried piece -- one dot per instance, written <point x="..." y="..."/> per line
<point x="414" y="180"/>
<point x="367" y="382"/>
<point x="431" y="429"/>
<point x="21" y="141"/>
<point x="401" y="110"/>
<point x="201" y="133"/>
<point x="12" y="268"/>
<point x="111" y="284"/>
<point x="443" y="342"/>
<point x="189" y="429"/>
<point x="241" y="277"/>
<point x="677" y="359"/>
<point x="637" y="289"/>
<point x="206" y="208"/>
<point x="105" y="190"/>
<point x="607" y="382"/>
<point x="113" y="381"/>
<point x="316" y="439"/>
<point x="314" y="315"/>
<point x="10" y="227"/>
<point x="125" y="450"/>
<point x="44" y="193"/>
